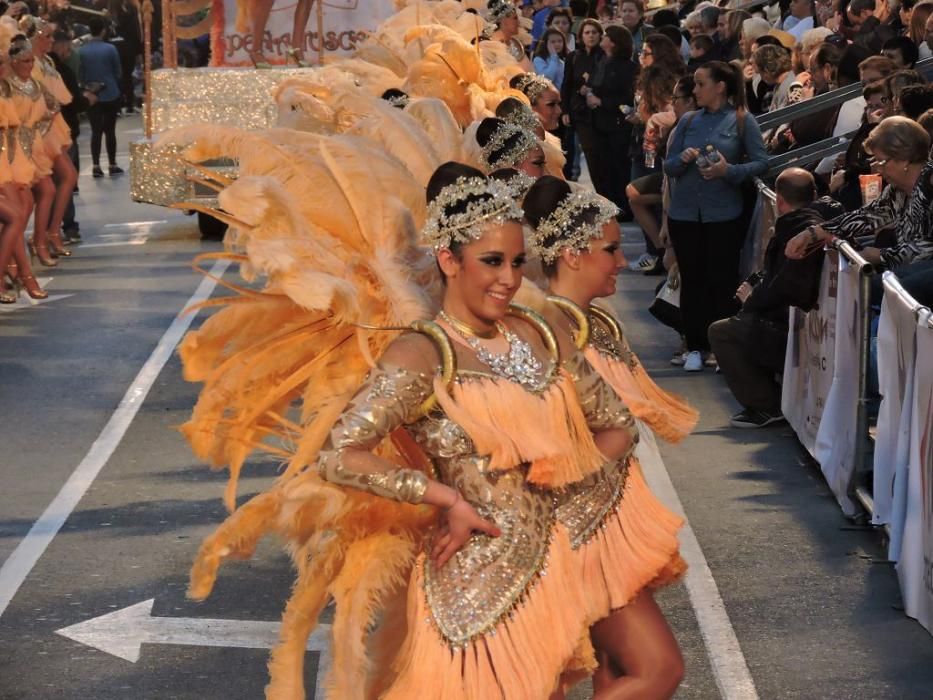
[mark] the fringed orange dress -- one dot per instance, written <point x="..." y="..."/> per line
<point x="506" y="616"/>
<point x="28" y="99"/>
<point x="58" y="136"/>
<point x="8" y="124"/>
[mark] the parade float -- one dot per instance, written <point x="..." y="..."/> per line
<point x="235" y="89"/>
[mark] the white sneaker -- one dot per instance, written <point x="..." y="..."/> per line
<point x="693" y="362"/>
<point x="644" y="263"/>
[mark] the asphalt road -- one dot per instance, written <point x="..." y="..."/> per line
<point x="813" y="606"/>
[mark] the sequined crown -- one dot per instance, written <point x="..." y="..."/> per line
<point x="509" y="144"/>
<point x="576" y="221"/>
<point x="534" y="86"/>
<point x="518" y="183"/>
<point x="524" y="117"/>
<point x="499" y="9"/>
<point x="400" y="101"/>
<point x="482" y="202"/>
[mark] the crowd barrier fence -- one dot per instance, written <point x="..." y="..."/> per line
<point x="827" y="400"/>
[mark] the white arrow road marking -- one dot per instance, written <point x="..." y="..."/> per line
<point x="123" y="632"/>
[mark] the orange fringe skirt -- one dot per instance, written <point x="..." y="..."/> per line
<point x="635" y="548"/>
<point x="521" y="658"/>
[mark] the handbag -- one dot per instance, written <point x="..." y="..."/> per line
<point x="666" y="305"/>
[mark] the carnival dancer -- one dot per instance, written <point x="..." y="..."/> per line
<point x="16" y="202"/>
<point x="28" y="99"/>
<point x="57" y="135"/>
<point x="618" y="528"/>
<point x="506" y="431"/>
<point x="564" y="244"/>
<point x="503" y="15"/>
<point x="492" y="143"/>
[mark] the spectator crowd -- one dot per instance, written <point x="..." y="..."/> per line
<point x="663" y="105"/>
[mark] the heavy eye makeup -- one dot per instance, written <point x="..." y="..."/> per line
<point x="496" y="260"/>
<point x="611" y="248"/>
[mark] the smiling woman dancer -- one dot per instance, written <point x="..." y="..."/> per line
<point x="629" y="538"/>
<point x="509" y="430"/>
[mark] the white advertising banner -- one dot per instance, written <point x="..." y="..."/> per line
<point x="808" y="364"/>
<point x="897" y="336"/>
<point x="837" y="434"/>
<point x="345" y="24"/>
<point x="915" y="568"/>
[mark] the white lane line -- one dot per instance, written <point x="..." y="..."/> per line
<point x="733" y="678"/>
<point x="17" y="567"/>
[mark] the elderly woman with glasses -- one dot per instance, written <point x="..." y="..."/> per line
<point x="899" y="149"/>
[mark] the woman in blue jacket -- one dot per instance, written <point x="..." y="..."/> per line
<point x="705" y="214"/>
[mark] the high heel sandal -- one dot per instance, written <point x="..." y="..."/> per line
<point x="298" y="57"/>
<point x="9" y="296"/>
<point x="57" y="246"/>
<point x="259" y="61"/>
<point x="32" y="287"/>
<point x="41" y="253"/>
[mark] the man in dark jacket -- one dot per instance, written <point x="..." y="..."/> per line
<point x="750" y="346"/>
<point x="80" y="101"/>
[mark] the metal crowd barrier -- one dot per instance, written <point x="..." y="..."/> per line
<point x="753" y="258"/>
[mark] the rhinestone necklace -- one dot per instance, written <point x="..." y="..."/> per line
<point x="518" y="365"/>
<point x="27" y="87"/>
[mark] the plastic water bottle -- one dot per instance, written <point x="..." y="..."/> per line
<point x="702" y="161"/>
<point x="712" y="155"/>
<point x="649" y="157"/>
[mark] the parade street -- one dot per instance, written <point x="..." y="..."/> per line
<point x="103" y="507"/>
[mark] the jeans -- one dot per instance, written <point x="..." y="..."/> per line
<point x="103" y="119"/>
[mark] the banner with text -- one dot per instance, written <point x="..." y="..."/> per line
<point x="346" y="23"/>
<point x="897" y="337"/>
<point x="808" y="364"/>
<point x="915" y="568"/>
<point x="837" y="435"/>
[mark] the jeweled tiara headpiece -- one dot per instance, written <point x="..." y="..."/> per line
<point x="576" y="221"/>
<point x="534" y="86"/>
<point x="524" y="117"/>
<point x="442" y="229"/>
<point x="400" y="101"/>
<point x="500" y="9"/>
<point x="519" y="183"/>
<point x="496" y="154"/>
<point x="20" y="48"/>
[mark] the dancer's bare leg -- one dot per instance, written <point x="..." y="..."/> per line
<point x="44" y="192"/>
<point x="260" y="17"/>
<point x="14" y="212"/>
<point x="302" y="15"/>
<point x="65" y="178"/>
<point x="639" y="656"/>
<point x="641" y="206"/>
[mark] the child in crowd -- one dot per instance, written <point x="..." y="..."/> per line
<point x="701" y="50"/>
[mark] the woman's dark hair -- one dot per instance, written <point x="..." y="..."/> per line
<point x="540" y="202"/>
<point x="848" y="64"/>
<point x="914" y="100"/>
<point x="541" y="50"/>
<point x="665" y="18"/>
<point x="623" y="45"/>
<point x="396" y="96"/>
<point x="767" y="39"/>
<point x="666" y="54"/>
<point x="685" y="86"/>
<point x="559" y="12"/>
<point x="484" y="133"/>
<point x="503" y="174"/>
<point x="720" y="72"/>
<point x="657" y="86"/>
<point x="896" y="82"/>
<point x="671" y="32"/>
<point x="588" y="22"/>
<point x="508" y="107"/>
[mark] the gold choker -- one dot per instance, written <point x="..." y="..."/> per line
<point x="466" y="329"/>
